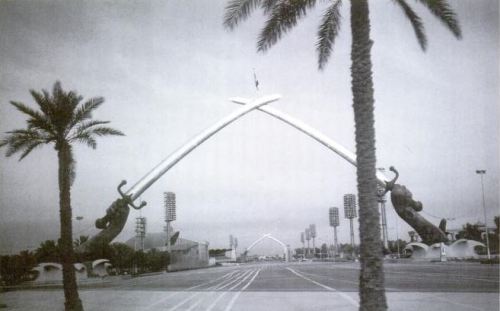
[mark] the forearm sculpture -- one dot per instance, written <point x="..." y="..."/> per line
<point x="116" y="215"/>
<point x="408" y="209"/>
<point x="401" y="198"/>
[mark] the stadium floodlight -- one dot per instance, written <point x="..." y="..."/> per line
<point x="169" y="200"/>
<point x="350" y="213"/>
<point x="334" y="222"/>
<point x="350" y="206"/>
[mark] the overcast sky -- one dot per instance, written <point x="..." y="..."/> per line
<point x="167" y="69"/>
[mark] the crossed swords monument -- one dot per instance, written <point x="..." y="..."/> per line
<point x="116" y="215"/>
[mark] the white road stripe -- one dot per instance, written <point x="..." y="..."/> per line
<point x="212" y="305"/>
<point x="229" y="274"/>
<point x="239" y="277"/>
<point x="456" y="303"/>
<point x="217" y="286"/>
<point x="233" y="300"/>
<point x="343" y="295"/>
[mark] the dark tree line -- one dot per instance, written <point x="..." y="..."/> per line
<point x="15" y="269"/>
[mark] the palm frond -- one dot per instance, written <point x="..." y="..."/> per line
<point x="37" y="120"/>
<point x="23" y="140"/>
<point x="86" y="138"/>
<point x="442" y="10"/>
<point x="83" y="126"/>
<point x="268" y="5"/>
<point x="27" y="110"/>
<point x="283" y="17"/>
<point x="44" y="102"/>
<point x="416" y="22"/>
<point x="30" y="148"/>
<point x="106" y="131"/>
<point x="238" y="10"/>
<point x="328" y="31"/>
<point x="84" y="112"/>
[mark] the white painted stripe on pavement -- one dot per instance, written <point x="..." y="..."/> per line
<point x="229" y="274"/>
<point x="343" y="295"/>
<point x="456" y="303"/>
<point x="215" y="287"/>
<point x="212" y="305"/>
<point x="233" y="300"/>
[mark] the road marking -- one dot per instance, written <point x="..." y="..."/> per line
<point x="212" y="305"/>
<point x="438" y="274"/>
<point x="236" y="279"/>
<point x="343" y="295"/>
<point x="457" y="303"/>
<point x="227" y="275"/>
<point x="339" y="279"/>
<point x="233" y="300"/>
<point x="216" y="287"/>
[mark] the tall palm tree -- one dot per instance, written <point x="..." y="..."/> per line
<point x="283" y="15"/>
<point x="62" y="120"/>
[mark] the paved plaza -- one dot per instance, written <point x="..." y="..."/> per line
<point x="280" y="286"/>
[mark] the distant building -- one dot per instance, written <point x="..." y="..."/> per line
<point x="186" y="254"/>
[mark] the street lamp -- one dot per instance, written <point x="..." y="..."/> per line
<point x="381" y="200"/>
<point x="334" y="222"/>
<point x="308" y="238"/>
<point x="350" y="213"/>
<point x="170" y="215"/>
<point x="312" y="231"/>
<point x="481" y="173"/>
<point x="302" y="239"/>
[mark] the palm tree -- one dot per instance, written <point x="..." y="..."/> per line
<point x="283" y="15"/>
<point x="61" y="120"/>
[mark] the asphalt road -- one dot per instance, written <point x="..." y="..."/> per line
<point x="280" y="286"/>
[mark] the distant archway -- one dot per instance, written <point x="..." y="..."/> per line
<point x="269" y="236"/>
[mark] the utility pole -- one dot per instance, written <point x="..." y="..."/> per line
<point x="302" y="240"/>
<point x="482" y="173"/>
<point x="381" y="200"/>
<point x="350" y="213"/>
<point x="334" y="222"/>
<point x="312" y="230"/>
<point x="308" y="238"/>
<point x="170" y="215"/>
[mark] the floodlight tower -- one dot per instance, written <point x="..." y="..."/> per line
<point x="140" y="232"/>
<point x="350" y="213"/>
<point x="482" y="173"/>
<point x="170" y="215"/>
<point x="381" y="201"/>
<point x="308" y="238"/>
<point x="334" y="222"/>
<point x="302" y="240"/>
<point x="312" y="230"/>
<point x="232" y="246"/>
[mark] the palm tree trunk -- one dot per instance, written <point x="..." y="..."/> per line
<point x="371" y="281"/>
<point x="72" y="300"/>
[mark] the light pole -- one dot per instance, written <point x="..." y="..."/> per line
<point x="308" y="238"/>
<point x="334" y="222"/>
<point x="302" y="239"/>
<point x="170" y="215"/>
<point x="481" y="173"/>
<point x="350" y="213"/>
<point x="312" y="231"/>
<point x="381" y="200"/>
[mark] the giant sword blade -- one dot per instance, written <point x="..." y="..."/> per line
<point x="116" y="215"/>
<point x="402" y="200"/>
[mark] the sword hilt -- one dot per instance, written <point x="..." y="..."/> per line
<point x="128" y="198"/>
